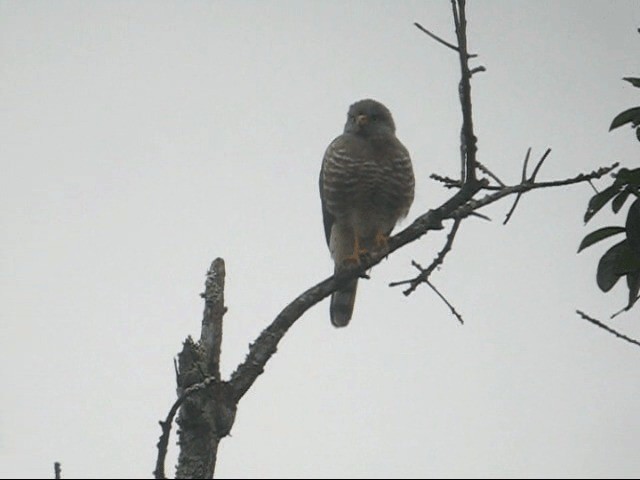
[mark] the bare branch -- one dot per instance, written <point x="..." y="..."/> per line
<point x="486" y="171"/>
<point x="524" y="180"/>
<point x="447" y="181"/>
<point x="539" y="165"/>
<point x="468" y="139"/>
<point x="266" y="344"/>
<point x="525" y="187"/>
<point x="211" y="331"/>
<point x="607" y="328"/>
<point x="204" y="418"/>
<point x="440" y="40"/>
<point x="424" y="274"/>
<point x="453" y="310"/>
<point x="525" y="165"/>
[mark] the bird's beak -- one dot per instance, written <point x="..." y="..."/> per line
<point x="361" y="120"/>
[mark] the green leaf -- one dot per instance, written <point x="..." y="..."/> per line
<point x="619" y="260"/>
<point x="628" y="177"/>
<point x="633" y="282"/>
<point x="618" y="202"/>
<point x="633" y="81"/>
<point x="600" y="199"/>
<point x="632" y="115"/>
<point x="632" y="226"/>
<point x="598" y="235"/>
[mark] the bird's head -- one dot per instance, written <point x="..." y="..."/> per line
<point x="369" y="118"/>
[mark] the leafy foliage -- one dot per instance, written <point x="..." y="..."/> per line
<point x="623" y="258"/>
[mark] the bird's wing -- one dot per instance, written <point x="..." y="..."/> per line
<point x="327" y="217"/>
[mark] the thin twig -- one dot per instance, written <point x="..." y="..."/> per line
<point x="490" y="173"/>
<point x="426" y="272"/>
<point x="539" y="165"/>
<point x="453" y="310"/>
<point x="525" y="165"/>
<point x="527" y="180"/>
<point x="524" y="179"/>
<point x="480" y="215"/>
<point x="593" y="186"/>
<point x="607" y="328"/>
<point x="440" y="40"/>
<point x="448" y="182"/>
<point x="625" y="309"/>
<point x="490" y="198"/>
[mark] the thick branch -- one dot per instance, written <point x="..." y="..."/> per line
<point x="211" y="332"/>
<point x="206" y="415"/>
<point x="468" y="140"/>
<point x="266" y="345"/>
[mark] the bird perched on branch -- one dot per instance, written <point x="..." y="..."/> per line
<point x="366" y="187"/>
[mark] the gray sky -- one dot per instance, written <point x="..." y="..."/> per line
<point x="140" y="140"/>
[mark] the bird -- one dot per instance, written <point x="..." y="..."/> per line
<point x="367" y="186"/>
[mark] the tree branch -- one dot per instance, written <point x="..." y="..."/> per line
<point x="468" y="143"/>
<point x="424" y="274"/>
<point x="607" y="328"/>
<point x="443" y="298"/>
<point x="211" y="332"/>
<point x="266" y="345"/>
<point x="485" y="170"/>
<point x="524" y="180"/>
<point x="525" y="187"/>
<point x="206" y="415"/>
<point x="440" y="40"/>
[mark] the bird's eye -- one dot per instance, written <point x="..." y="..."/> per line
<point x="374" y="118"/>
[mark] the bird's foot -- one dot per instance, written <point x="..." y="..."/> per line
<point x="382" y="242"/>
<point x="354" y="258"/>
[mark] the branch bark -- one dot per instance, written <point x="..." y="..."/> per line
<point x="207" y="410"/>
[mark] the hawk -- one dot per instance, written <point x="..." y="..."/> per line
<point x="366" y="187"/>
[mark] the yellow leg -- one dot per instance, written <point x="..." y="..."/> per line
<point x="357" y="251"/>
<point x="382" y="241"/>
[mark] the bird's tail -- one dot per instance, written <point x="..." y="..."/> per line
<point x="342" y="302"/>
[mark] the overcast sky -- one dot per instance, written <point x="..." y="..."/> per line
<point x="140" y="140"/>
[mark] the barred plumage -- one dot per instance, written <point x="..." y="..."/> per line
<point x="366" y="187"/>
